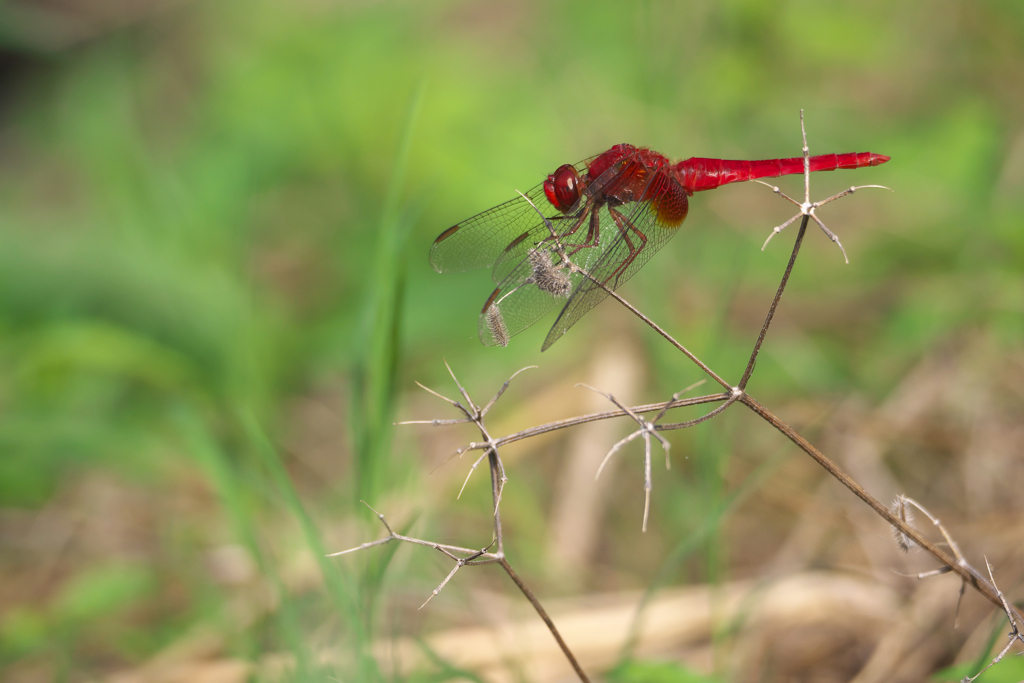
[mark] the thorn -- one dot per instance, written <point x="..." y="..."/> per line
<point x="440" y="396"/>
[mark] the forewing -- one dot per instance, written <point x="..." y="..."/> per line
<point x="529" y="273"/>
<point x="479" y="241"/>
<point x="531" y="278"/>
<point x="611" y="269"/>
<point x="572" y="232"/>
<point x="516" y="308"/>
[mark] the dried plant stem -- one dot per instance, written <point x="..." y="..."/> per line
<point x="968" y="573"/>
<point x="497" y="482"/>
<point x="475" y="414"/>
<point x="593" y="417"/>
<point x="961" y="567"/>
<point x="547" y="620"/>
<point x="729" y="400"/>
<point x="775" y="304"/>
<point x="654" y="326"/>
<point x="1013" y="636"/>
<point x="392" y="536"/>
<point x="496" y="485"/>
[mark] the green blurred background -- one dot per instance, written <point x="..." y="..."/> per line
<point x="215" y="295"/>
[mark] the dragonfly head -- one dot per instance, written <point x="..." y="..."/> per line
<point x="563" y="188"/>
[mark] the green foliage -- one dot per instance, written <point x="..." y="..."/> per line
<point x="638" y="671"/>
<point x="100" y="591"/>
<point x="1009" y="670"/>
<point x="94" y="605"/>
<point x="221" y="210"/>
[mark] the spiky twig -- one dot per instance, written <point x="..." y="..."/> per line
<point x="807" y="208"/>
<point x="649" y="428"/>
<point x="1013" y="636"/>
<point x="475" y="414"/>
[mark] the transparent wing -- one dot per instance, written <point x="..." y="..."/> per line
<point x="531" y="277"/>
<point x="607" y="237"/>
<point x="640" y="229"/>
<point x="479" y="241"/>
<point x="512" y="311"/>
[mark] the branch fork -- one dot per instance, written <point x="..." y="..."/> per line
<point x="475" y="414"/>
<point x="473" y="557"/>
<point x="463" y="557"/>
<point x="902" y="506"/>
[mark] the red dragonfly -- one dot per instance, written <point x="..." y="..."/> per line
<point x="588" y="227"/>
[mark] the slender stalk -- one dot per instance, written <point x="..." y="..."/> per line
<point x="730" y="399"/>
<point x="594" y="417"/>
<point x="775" y="303"/>
<point x="966" y="572"/>
<point x="492" y="459"/>
<point x="547" y="620"/>
<point x="654" y="326"/>
<point x="503" y="561"/>
<point x="442" y="547"/>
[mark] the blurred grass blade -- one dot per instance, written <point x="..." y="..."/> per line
<point x="374" y="374"/>
<point x="231" y="491"/>
<point x="446" y="670"/>
<point x="640" y="671"/>
<point x="341" y="593"/>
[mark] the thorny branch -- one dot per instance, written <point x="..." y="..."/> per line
<point x="646" y="431"/>
<point x="901" y="507"/>
<point x="968" y="573"/>
<point x="898" y="517"/>
<point x="1013" y="636"/>
<point x="442" y="547"/>
<point x="961" y="567"/>
<point x="469" y="557"/>
<point x="593" y="417"/>
<point x="775" y="304"/>
<point x="807" y="207"/>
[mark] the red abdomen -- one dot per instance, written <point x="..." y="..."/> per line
<point x="696" y="174"/>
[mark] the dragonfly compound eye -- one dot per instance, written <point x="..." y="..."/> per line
<point x="563" y="188"/>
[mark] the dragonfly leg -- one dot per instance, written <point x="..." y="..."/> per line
<point x="593" y="232"/>
<point x="589" y="214"/>
<point x="578" y="221"/>
<point x="625" y="226"/>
